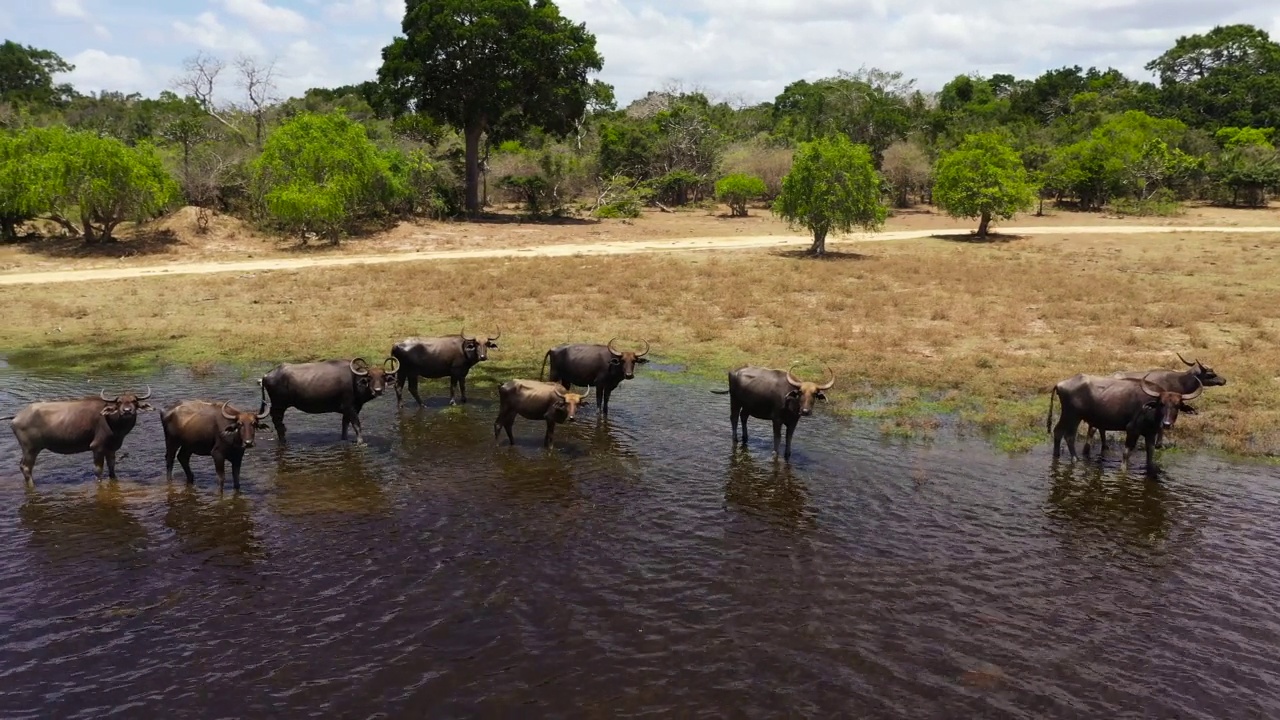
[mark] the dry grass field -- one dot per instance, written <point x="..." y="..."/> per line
<point x="916" y="331"/>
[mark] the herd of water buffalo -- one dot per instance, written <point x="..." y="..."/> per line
<point x="1143" y="404"/>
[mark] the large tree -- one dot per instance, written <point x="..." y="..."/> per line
<point x="983" y="178"/>
<point x="833" y="186"/>
<point x="26" y="74"/>
<point x="486" y="64"/>
<point x="1227" y="76"/>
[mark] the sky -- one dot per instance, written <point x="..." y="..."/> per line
<point x="742" y="51"/>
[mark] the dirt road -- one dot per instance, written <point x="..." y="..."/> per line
<point x="736" y="242"/>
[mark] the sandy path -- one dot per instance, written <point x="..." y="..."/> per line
<point x="735" y="242"/>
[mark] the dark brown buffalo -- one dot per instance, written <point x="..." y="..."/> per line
<point x="93" y="424"/>
<point x="599" y="366"/>
<point x="776" y="395"/>
<point x="450" y="356"/>
<point x="202" y="427"/>
<point x="328" y="386"/>
<point x="1196" y="375"/>
<point x="1139" y="407"/>
<point x="536" y="400"/>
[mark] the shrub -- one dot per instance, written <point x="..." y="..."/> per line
<point x="737" y="189"/>
<point x="833" y="185"/>
<point x="983" y="178"/>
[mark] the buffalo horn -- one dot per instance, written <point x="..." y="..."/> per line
<point x="144" y="397"/>
<point x="1184" y="360"/>
<point x="1147" y="386"/>
<point x="228" y="415"/>
<point x="792" y="378"/>
<point x="830" y="383"/>
<point x="103" y="395"/>
<point x="362" y="361"/>
<point x="393" y="370"/>
<point x="611" y="350"/>
<point x="495" y="337"/>
<point x="646" y="350"/>
<point x="464" y="334"/>
<point x="1194" y="393"/>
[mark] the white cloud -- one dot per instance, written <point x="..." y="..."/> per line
<point x="97" y="70"/>
<point x="209" y="32"/>
<point x="69" y="8"/>
<point x="267" y="17"/>
<point x="365" y="10"/>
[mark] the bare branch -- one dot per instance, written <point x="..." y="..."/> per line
<point x="257" y="79"/>
<point x="199" y="80"/>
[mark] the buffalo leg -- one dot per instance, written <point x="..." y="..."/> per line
<point x="354" y="420"/>
<point x="510" y="422"/>
<point x="462" y="389"/>
<point x="734" y="409"/>
<point x="235" y="470"/>
<point x="1088" y="439"/>
<point x="551" y="428"/>
<point x="1131" y="442"/>
<point x="184" y="457"/>
<point x="220" y="467"/>
<point x="111" y="464"/>
<point x="602" y="400"/>
<point x="1149" y="442"/>
<point x="98" y="458"/>
<point x="453" y="386"/>
<point x="791" y="429"/>
<point x="170" y="453"/>
<point x="28" y="464"/>
<point x="400" y="378"/>
<point x="742" y="415"/>
<point x="777" y="436"/>
<point x="277" y="419"/>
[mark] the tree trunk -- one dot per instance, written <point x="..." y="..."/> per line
<point x="473" y="132"/>
<point x="983" y="223"/>
<point x="1040" y="210"/>
<point x="8" y="228"/>
<point x="819" y="243"/>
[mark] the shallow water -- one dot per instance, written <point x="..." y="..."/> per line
<point x="643" y="566"/>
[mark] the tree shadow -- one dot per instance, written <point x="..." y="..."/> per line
<point x="992" y="238"/>
<point x="149" y="242"/>
<point x="104" y="355"/>
<point x="829" y="255"/>
<point x="513" y="219"/>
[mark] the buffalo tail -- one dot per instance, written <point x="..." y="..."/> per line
<point x="545" y="357"/>
<point x="1048" y="421"/>
<point x="8" y="417"/>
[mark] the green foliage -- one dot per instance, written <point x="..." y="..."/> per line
<point x="833" y="186"/>
<point x="1161" y="203"/>
<point x="737" y="190"/>
<point x="322" y="174"/>
<point x="26" y="75"/>
<point x="1230" y="138"/>
<point x="1229" y="76"/>
<point x="622" y="197"/>
<point x="1130" y="154"/>
<point x="984" y="178"/>
<point x="907" y="169"/>
<point x="65" y="175"/>
<point x="489" y="64"/>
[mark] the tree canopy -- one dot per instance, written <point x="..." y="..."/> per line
<point x="490" y="65"/>
<point x="26" y="74"/>
<point x="833" y="186"/>
<point x="983" y="178"/>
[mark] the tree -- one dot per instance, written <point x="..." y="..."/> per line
<point x="1249" y="164"/>
<point x="64" y="173"/>
<point x="832" y="186"/>
<point x="26" y="75"/>
<point x="982" y="178"/>
<point x="486" y="64"/>
<point x="1227" y="76"/>
<point x="907" y="169"/>
<point x="319" y="173"/>
<point x="737" y="190"/>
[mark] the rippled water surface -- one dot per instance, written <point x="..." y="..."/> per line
<point x="641" y="567"/>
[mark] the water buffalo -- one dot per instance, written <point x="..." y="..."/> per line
<point x="202" y="427"/>
<point x="328" y="386"/>
<point x="93" y="424"/>
<point x="451" y="356"/>
<point x="536" y="400"/>
<point x="600" y="366"/>
<point x="1196" y="375"/>
<point x="1139" y="407"/>
<point x="776" y="395"/>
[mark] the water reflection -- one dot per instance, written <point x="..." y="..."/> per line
<point x="95" y="522"/>
<point x="339" y="479"/>
<point x="769" y="490"/>
<point x="1091" y="500"/>
<point x="217" y="525"/>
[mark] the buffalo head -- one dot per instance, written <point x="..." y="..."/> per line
<point x="803" y="393"/>
<point x="565" y="406"/>
<point x="1203" y="373"/>
<point x="1167" y="404"/>
<point x="125" y="405"/>
<point x="627" y="360"/>
<point x="374" y="379"/>
<point x="476" y="349"/>
<point x="243" y="424"/>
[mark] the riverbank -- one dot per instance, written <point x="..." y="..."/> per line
<point x="918" y="333"/>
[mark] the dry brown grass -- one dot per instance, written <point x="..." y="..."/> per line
<point x="979" y="329"/>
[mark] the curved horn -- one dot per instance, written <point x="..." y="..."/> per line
<point x="792" y="378"/>
<point x="391" y="360"/>
<point x="615" y="352"/>
<point x="1147" y="386"/>
<point x="465" y="336"/>
<point x="103" y="395"/>
<point x="363" y="362"/>
<point x="228" y="415"/>
<point x="144" y="397"/>
<point x="646" y="350"/>
<point x="495" y="337"/>
<point x="1194" y="393"/>
<point x="830" y="383"/>
<point x="1184" y="360"/>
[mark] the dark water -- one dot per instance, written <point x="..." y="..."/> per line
<point x="642" y="568"/>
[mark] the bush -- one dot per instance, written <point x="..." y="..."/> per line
<point x="768" y="161"/>
<point x="1161" y="203"/>
<point x="322" y="174"/>
<point x="737" y="190"/>
<point x="621" y="197"/>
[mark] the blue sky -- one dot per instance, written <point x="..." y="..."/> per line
<point x="743" y="51"/>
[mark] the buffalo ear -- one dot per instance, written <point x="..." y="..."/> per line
<point x="1185" y="408"/>
<point x="260" y="426"/>
<point x="145" y="406"/>
<point x="821" y="396"/>
<point x="642" y="361"/>
<point x="492" y="344"/>
<point x="793" y="394"/>
<point x="110" y="409"/>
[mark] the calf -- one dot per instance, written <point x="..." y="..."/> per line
<point x="217" y="430"/>
<point x="535" y="400"/>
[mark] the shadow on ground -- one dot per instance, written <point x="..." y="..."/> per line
<point x="972" y="238"/>
<point x="67" y="357"/>
<point x="830" y="255"/>
<point x="155" y="242"/>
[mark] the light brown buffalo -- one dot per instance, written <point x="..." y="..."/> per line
<point x="535" y="400"/>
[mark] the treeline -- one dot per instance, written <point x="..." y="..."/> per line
<point x="418" y="140"/>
